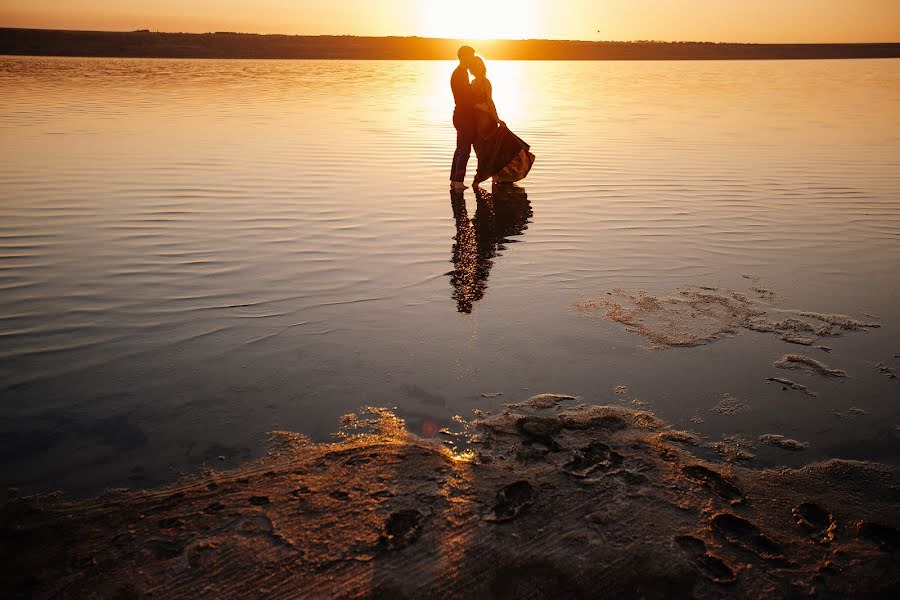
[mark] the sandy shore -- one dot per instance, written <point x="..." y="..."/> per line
<point x="556" y="498"/>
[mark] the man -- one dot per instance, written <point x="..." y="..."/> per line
<point x="463" y="118"/>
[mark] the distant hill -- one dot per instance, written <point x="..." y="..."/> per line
<point x="146" y="44"/>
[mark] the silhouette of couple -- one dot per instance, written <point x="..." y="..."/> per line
<point x="502" y="155"/>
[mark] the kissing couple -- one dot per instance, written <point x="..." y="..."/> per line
<point x="502" y="156"/>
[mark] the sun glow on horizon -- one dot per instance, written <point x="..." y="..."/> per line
<point x="479" y="19"/>
<point x="760" y="21"/>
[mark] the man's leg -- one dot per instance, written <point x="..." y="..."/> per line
<point x="462" y="154"/>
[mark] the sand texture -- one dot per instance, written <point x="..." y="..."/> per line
<point x="554" y="499"/>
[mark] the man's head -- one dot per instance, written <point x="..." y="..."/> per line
<point x="466" y="54"/>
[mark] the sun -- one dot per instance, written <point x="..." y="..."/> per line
<point x="479" y="19"/>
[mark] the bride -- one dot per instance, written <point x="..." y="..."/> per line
<point x="502" y="155"/>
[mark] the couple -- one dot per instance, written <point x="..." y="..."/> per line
<point x="502" y="156"/>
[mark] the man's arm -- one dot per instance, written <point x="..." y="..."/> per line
<point x="462" y="92"/>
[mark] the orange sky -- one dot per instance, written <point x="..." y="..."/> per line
<point x="708" y="20"/>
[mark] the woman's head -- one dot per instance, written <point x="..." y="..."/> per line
<point x="477" y="67"/>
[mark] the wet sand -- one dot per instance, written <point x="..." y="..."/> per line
<point x="551" y="497"/>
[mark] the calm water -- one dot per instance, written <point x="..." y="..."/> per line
<point x="196" y="253"/>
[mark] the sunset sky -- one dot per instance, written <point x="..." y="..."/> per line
<point x="708" y="20"/>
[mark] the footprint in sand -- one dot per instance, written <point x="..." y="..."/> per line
<point x="744" y="534"/>
<point x="714" y="481"/>
<point x="595" y="456"/>
<point x="816" y="521"/>
<point x="630" y="477"/>
<point x="884" y="536"/>
<point x="512" y="500"/>
<point x="402" y="528"/>
<point x="709" y="566"/>
<point x="540" y="428"/>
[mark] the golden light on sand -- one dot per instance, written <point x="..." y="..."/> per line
<point x="479" y="19"/>
<point x="463" y="457"/>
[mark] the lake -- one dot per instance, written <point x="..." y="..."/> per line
<point x="194" y="254"/>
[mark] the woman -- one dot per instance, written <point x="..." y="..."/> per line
<point x="502" y="155"/>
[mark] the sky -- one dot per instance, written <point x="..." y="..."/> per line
<point x="672" y="20"/>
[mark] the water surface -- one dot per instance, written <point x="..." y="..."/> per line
<point x="196" y="253"/>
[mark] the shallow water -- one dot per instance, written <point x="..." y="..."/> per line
<point x="196" y="253"/>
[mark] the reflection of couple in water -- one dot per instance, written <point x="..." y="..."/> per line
<point x="498" y="216"/>
<point x="502" y="156"/>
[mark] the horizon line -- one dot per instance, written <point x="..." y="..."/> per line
<point x="457" y="39"/>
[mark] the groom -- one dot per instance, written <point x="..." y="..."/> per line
<point x="463" y="118"/>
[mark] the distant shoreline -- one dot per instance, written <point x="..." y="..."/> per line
<point x="146" y="44"/>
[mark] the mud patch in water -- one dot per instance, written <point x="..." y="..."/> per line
<point x="886" y="370"/>
<point x="779" y="441"/>
<point x="798" y="361"/>
<point x="787" y="384"/>
<point x="728" y="405"/>
<point x="733" y="448"/>
<point x="695" y="316"/>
